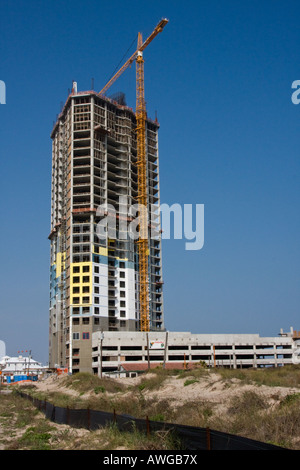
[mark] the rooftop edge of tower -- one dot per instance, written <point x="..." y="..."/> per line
<point x="75" y="94"/>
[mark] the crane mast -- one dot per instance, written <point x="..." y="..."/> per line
<point x="143" y="247"/>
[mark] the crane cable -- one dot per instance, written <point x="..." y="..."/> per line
<point x="117" y="67"/>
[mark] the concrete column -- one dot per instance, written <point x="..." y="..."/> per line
<point x="254" y="357"/>
<point x="234" y="356"/>
<point x="275" y="355"/>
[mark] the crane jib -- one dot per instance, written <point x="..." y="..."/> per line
<point x="156" y="31"/>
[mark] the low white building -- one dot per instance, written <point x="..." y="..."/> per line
<point x="128" y="353"/>
<point x="20" y="365"/>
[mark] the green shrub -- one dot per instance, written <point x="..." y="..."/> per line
<point x="287" y="376"/>
<point x="35" y="439"/>
<point x="248" y="403"/>
<point x="190" y="382"/>
<point x="86" y="382"/>
<point x="158" y="417"/>
<point x="290" y="399"/>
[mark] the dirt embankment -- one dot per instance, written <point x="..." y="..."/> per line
<point x="261" y="405"/>
<point x="210" y="388"/>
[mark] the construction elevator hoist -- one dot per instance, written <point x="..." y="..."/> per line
<point x="141" y="167"/>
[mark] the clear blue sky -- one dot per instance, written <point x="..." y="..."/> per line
<point x="219" y="78"/>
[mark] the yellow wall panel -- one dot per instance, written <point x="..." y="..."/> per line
<point x="60" y="258"/>
<point x="81" y="274"/>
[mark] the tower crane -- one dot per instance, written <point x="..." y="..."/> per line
<point x="141" y="115"/>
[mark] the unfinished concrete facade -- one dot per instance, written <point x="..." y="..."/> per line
<point x="94" y="280"/>
<point x="116" y="354"/>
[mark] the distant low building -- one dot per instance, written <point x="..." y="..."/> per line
<point x="120" y="354"/>
<point x="20" y="365"/>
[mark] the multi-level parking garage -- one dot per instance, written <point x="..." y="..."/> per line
<point x="118" y="352"/>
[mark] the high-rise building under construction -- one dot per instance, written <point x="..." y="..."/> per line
<point x="94" y="275"/>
